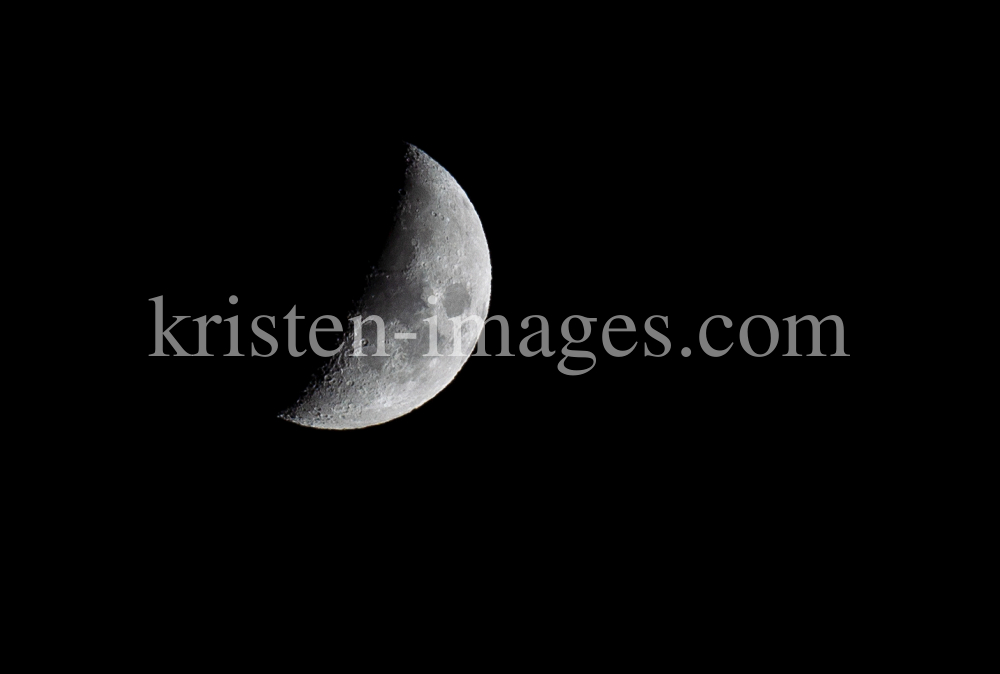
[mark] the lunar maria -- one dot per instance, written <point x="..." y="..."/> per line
<point x="713" y="346"/>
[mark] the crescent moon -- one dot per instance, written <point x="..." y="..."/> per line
<point x="434" y="268"/>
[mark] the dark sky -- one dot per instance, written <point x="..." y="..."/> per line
<point x="746" y="200"/>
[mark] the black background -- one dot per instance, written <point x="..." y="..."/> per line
<point x="684" y="187"/>
<point x="615" y="173"/>
<point x="736" y="195"/>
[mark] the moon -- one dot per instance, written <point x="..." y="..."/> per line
<point x="434" y="272"/>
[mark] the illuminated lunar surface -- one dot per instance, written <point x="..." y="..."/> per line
<point x="435" y="265"/>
